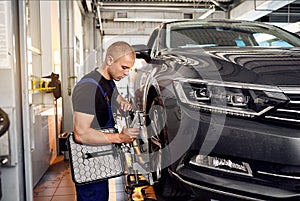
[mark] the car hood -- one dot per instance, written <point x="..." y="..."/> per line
<point x="277" y="67"/>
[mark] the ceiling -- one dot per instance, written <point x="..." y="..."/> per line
<point x="287" y="14"/>
<point x="273" y="11"/>
<point x="183" y="4"/>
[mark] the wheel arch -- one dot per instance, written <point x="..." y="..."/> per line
<point x="153" y="91"/>
<point x="151" y="95"/>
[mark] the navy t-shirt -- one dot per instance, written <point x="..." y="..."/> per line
<point x="87" y="98"/>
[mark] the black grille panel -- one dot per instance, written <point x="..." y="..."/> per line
<point x="294" y="97"/>
<point x="291" y="111"/>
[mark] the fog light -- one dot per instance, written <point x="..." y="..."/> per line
<point x="221" y="164"/>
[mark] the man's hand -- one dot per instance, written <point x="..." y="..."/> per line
<point x="129" y="134"/>
<point x="123" y="104"/>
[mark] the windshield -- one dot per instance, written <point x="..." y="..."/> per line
<point x="186" y="34"/>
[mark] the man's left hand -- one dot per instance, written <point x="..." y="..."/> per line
<point x="125" y="106"/>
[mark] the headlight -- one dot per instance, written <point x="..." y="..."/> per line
<point x="239" y="99"/>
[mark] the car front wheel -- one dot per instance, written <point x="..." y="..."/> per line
<point x="159" y="152"/>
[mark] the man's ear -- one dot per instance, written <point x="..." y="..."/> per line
<point x="109" y="60"/>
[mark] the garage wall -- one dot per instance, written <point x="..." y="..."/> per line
<point x="78" y="42"/>
<point x="131" y="39"/>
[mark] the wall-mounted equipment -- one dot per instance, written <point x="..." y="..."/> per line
<point x="4" y="125"/>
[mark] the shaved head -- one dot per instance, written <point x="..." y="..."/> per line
<point x="118" y="50"/>
<point x="119" y="60"/>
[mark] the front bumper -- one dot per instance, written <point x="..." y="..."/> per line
<point x="272" y="151"/>
<point x="200" y="182"/>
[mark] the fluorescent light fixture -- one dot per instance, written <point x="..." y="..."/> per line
<point x="142" y="20"/>
<point x="211" y="10"/>
<point x="214" y="2"/>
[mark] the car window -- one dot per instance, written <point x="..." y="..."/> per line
<point x="152" y="38"/>
<point x="268" y="40"/>
<point x="152" y="42"/>
<point x="154" y="49"/>
<point x="222" y="34"/>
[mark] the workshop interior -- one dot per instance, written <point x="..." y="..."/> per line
<point x="215" y="91"/>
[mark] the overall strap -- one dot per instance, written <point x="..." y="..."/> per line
<point x="91" y="80"/>
<point x="104" y="94"/>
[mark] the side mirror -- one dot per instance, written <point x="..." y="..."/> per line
<point x="142" y="52"/>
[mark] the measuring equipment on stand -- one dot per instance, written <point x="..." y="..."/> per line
<point x="93" y="163"/>
<point x="139" y="177"/>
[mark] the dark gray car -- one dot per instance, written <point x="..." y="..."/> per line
<point x="222" y="106"/>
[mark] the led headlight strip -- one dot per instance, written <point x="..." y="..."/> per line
<point x="238" y="99"/>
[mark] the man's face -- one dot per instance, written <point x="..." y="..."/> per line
<point x="120" y="67"/>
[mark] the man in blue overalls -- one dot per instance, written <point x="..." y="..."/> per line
<point x="93" y="110"/>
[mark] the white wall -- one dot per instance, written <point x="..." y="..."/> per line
<point x="78" y="42"/>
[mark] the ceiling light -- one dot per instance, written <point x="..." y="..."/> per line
<point x="210" y="11"/>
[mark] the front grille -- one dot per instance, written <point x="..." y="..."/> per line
<point x="291" y="111"/>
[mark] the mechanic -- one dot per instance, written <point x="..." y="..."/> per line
<point x="93" y="111"/>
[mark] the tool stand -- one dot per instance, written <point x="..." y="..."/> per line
<point x="139" y="177"/>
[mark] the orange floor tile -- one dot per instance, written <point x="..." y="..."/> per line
<point x="57" y="185"/>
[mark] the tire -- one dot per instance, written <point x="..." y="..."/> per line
<point x="155" y="131"/>
<point x="160" y="160"/>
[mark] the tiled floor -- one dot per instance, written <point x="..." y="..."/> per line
<point x="57" y="185"/>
